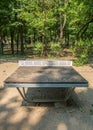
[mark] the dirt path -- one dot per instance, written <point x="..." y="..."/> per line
<point x="14" y="116"/>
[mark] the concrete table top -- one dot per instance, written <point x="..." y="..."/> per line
<point x="36" y="76"/>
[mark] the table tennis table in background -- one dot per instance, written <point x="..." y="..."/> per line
<point x="46" y="75"/>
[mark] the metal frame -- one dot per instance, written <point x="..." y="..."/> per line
<point x="21" y="90"/>
<point x="25" y="98"/>
<point x="44" y="85"/>
<point x="70" y="86"/>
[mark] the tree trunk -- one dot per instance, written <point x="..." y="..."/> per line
<point x="61" y="29"/>
<point x="51" y="36"/>
<point x="34" y="39"/>
<point x="17" y="43"/>
<point x="21" y="39"/>
<point x="62" y="18"/>
<point x="43" y="41"/>
<point x="12" y="42"/>
<point x="1" y="47"/>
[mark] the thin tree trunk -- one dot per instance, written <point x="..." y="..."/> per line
<point x="62" y="18"/>
<point x="17" y="43"/>
<point x="61" y="29"/>
<point x="12" y="42"/>
<point x="50" y="35"/>
<point x="21" y="39"/>
<point x="1" y="46"/>
<point x="34" y="40"/>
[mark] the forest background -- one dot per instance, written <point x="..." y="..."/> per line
<point x="44" y="28"/>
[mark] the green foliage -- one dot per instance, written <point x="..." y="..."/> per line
<point x="83" y="50"/>
<point x="91" y="111"/>
<point x="44" y="21"/>
<point x="37" y="48"/>
<point x="55" y="48"/>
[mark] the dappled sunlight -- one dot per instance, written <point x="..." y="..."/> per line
<point x="17" y="117"/>
<point x="6" y="69"/>
<point x="13" y="105"/>
<point x="9" y="94"/>
<point x="13" y="116"/>
<point x="3" y="114"/>
<point x="36" y="115"/>
<point x="83" y="89"/>
<point x="87" y="72"/>
<point x="85" y="97"/>
<point x="62" y="126"/>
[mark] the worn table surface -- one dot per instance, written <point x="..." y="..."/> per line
<point x="44" y="75"/>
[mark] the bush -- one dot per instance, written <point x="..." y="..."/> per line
<point x="55" y="48"/>
<point x="82" y="51"/>
<point x="37" y="47"/>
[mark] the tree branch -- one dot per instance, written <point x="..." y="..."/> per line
<point x="84" y="28"/>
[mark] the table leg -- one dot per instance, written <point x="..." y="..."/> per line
<point x="23" y="95"/>
<point x="25" y="98"/>
<point x="69" y="93"/>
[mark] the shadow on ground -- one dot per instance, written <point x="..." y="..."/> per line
<point x="45" y="116"/>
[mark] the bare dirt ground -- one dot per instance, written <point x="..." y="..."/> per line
<point x="48" y="116"/>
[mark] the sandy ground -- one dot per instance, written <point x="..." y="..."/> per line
<point x="48" y="116"/>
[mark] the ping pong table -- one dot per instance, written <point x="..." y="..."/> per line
<point x="45" y="74"/>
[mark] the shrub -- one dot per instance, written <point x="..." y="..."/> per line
<point x="37" y="47"/>
<point x="82" y="50"/>
<point x="55" y="48"/>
